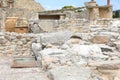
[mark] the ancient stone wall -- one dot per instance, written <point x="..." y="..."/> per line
<point x="21" y="44"/>
<point x="16" y="44"/>
<point x="21" y="13"/>
<point x="71" y="19"/>
<point x="20" y="9"/>
<point x="24" y="4"/>
<point x="67" y="51"/>
<point x="53" y="25"/>
<point x="76" y="25"/>
<point x="30" y="5"/>
<point x="77" y="15"/>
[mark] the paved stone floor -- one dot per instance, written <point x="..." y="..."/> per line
<point x="8" y="73"/>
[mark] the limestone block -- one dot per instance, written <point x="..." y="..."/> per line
<point x="36" y="47"/>
<point x="55" y="37"/>
<point x="70" y="73"/>
<point x="106" y="65"/>
<point x="52" y="51"/>
<point x="75" y="41"/>
<point x="65" y="46"/>
<point x="51" y="57"/>
<point x="87" y="50"/>
<point x="85" y="36"/>
<point x="112" y="35"/>
<point x="109" y="70"/>
<point x="100" y="39"/>
<point x="76" y="29"/>
<point x="51" y="46"/>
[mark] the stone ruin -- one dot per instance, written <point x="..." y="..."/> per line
<point x="22" y="10"/>
<point x="71" y="49"/>
<point x="90" y="15"/>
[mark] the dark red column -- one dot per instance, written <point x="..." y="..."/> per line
<point x="92" y="0"/>
<point x="108" y="2"/>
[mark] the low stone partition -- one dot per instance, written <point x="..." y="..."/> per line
<point x="16" y="44"/>
<point x="79" y="25"/>
<point x="103" y="22"/>
<point x="108" y="22"/>
<point x="76" y="25"/>
<point x="20" y="44"/>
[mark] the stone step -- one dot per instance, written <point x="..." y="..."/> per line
<point x="24" y="62"/>
<point x="8" y="73"/>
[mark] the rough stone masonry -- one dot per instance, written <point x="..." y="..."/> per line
<point x="71" y="54"/>
<point x="92" y="53"/>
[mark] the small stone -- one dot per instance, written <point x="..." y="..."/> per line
<point x="7" y="37"/>
<point x="28" y="39"/>
<point x="19" y="42"/>
<point x="24" y="41"/>
<point x="2" y="40"/>
<point x="19" y="37"/>
<point x="87" y="50"/>
<point x="10" y="51"/>
<point x="8" y="43"/>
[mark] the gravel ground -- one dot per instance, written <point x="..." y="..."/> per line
<point x="8" y="73"/>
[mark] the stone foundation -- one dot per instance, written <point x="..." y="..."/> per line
<point x="58" y="51"/>
<point x="16" y="44"/>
